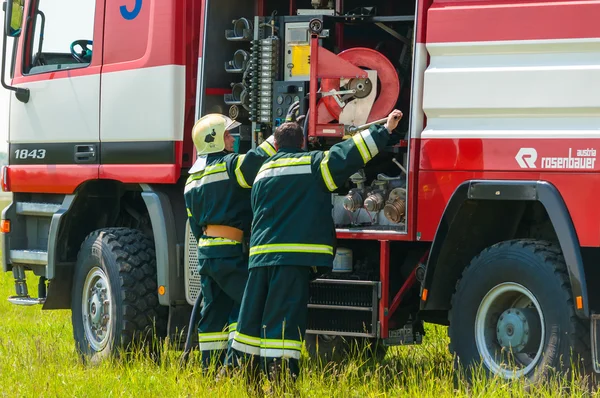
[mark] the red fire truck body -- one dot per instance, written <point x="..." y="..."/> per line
<point x="476" y="218"/>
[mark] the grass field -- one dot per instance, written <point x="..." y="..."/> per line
<point x="37" y="359"/>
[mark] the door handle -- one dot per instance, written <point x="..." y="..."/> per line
<point x="85" y="153"/>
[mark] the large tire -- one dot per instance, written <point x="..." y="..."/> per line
<point x="115" y="291"/>
<point x="530" y="276"/>
<point x="327" y="349"/>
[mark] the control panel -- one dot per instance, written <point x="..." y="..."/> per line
<point x="285" y="93"/>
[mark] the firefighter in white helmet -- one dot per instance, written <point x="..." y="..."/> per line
<point x="217" y="197"/>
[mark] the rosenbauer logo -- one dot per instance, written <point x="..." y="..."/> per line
<point x="584" y="159"/>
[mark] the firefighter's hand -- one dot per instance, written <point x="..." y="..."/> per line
<point x="292" y="114"/>
<point x="393" y="120"/>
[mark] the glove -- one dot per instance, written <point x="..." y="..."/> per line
<point x="292" y="114"/>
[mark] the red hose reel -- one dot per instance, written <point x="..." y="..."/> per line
<point x="389" y="83"/>
<point x="330" y="69"/>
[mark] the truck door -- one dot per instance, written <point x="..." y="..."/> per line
<point x="54" y="137"/>
<point x="143" y="94"/>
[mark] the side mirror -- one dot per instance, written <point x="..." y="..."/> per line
<point x="13" y="17"/>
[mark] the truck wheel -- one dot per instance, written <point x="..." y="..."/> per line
<point x="115" y="301"/>
<point x="328" y="348"/>
<point x="516" y="296"/>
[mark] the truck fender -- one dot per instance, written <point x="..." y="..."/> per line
<point x="541" y="191"/>
<point x="165" y="242"/>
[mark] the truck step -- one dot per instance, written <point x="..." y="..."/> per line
<point x="343" y="307"/>
<point x="37" y="209"/>
<point x="25" y="301"/>
<point x="29" y="257"/>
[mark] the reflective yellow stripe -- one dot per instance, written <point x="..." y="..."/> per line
<point x="217" y="168"/>
<point x="212" y="337"/>
<point x="370" y="142"/>
<point x="216" y="242"/>
<point x="286" y="162"/>
<point x="281" y="344"/>
<point x="212" y="346"/>
<point x="291" y="248"/>
<point x="249" y="340"/>
<point x="232" y="329"/>
<point x="362" y="147"/>
<point x="239" y="176"/>
<point x="326" y="173"/>
<point x="245" y="348"/>
<point x="268" y="148"/>
<point x="189" y="212"/>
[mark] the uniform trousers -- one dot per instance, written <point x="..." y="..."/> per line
<point x="272" y="319"/>
<point x="222" y="281"/>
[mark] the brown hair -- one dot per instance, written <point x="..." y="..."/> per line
<point x="289" y="135"/>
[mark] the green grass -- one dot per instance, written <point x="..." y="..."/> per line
<point x="37" y="359"/>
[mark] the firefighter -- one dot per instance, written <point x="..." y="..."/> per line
<point x="293" y="235"/>
<point x="217" y="197"/>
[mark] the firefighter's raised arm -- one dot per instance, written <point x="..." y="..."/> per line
<point x="245" y="167"/>
<point x="335" y="166"/>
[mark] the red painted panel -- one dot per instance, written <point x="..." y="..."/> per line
<point x="154" y="38"/>
<point x="371" y="236"/>
<point x="486" y="20"/>
<point x="62" y="179"/>
<point x="66" y="178"/>
<point x="547" y="155"/>
<point x="413" y="181"/>
<point x="193" y="16"/>
<point x="140" y="174"/>
<point x="446" y="163"/>
<point x="436" y="189"/>
<point x="201" y="18"/>
<point x="384" y="275"/>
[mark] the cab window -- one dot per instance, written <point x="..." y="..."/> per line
<point x="61" y="36"/>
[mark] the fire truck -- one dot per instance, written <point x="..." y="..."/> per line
<point x="473" y="217"/>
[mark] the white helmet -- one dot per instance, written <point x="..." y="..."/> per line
<point x="208" y="135"/>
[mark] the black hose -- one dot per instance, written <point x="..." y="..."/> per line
<point x="192" y="326"/>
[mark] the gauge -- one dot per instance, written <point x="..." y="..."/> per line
<point x="279" y="112"/>
<point x="280" y="100"/>
<point x="296" y="99"/>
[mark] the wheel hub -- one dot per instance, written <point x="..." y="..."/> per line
<point x="96" y="309"/>
<point x="514" y="329"/>
<point x="510" y="323"/>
